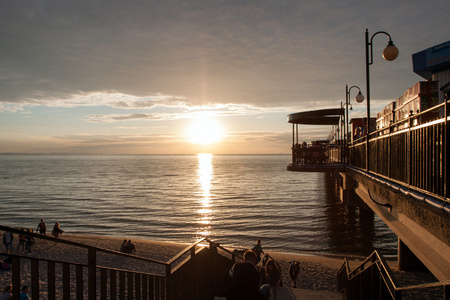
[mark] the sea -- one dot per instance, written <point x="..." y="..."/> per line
<point x="231" y="199"/>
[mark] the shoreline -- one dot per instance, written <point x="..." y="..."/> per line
<point x="317" y="272"/>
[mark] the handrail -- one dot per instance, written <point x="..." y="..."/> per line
<point x="184" y="251"/>
<point x="67" y="242"/>
<point x="374" y="257"/>
<point x="424" y="286"/>
<point x="386" y="275"/>
<point x="76" y="264"/>
<point x="404" y="188"/>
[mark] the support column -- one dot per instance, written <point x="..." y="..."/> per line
<point x="407" y="260"/>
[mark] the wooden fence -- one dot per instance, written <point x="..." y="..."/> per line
<point x="197" y="272"/>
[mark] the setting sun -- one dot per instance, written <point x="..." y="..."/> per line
<point x="205" y="131"/>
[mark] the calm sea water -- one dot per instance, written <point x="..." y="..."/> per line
<point x="231" y="199"/>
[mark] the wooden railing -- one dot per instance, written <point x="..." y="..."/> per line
<point x="192" y="274"/>
<point x="412" y="152"/>
<point x="373" y="279"/>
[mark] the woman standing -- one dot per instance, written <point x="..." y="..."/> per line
<point x="56" y="230"/>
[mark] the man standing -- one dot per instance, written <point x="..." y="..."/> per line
<point x="7" y="241"/>
<point x="41" y="228"/>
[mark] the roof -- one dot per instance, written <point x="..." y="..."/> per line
<point x="317" y="117"/>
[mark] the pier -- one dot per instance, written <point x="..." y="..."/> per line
<point x="397" y="168"/>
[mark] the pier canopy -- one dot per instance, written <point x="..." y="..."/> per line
<point x="319" y="155"/>
<point x="331" y="116"/>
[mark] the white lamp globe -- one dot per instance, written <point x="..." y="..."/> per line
<point x="390" y="52"/>
<point x="359" y="97"/>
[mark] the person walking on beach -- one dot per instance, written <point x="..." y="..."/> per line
<point x="246" y="279"/>
<point x="29" y="241"/>
<point x="21" y="241"/>
<point x="56" y="230"/>
<point x="258" y="250"/>
<point x="41" y="228"/>
<point x="6" y="295"/>
<point x="7" y="241"/>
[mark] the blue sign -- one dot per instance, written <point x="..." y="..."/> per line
<point x="432" y="60"/>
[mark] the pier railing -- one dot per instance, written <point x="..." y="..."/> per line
<point x="198" y="272"/>
<point x="373" y="279"/>
<point x="412" y="152"/>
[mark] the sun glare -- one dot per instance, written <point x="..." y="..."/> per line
<point x="205" y="131"/>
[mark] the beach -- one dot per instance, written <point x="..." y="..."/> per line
<point x="317" y="272"/>
<point x="317" y="276"/>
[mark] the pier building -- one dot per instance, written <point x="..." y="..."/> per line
<point x="404" y="178"/>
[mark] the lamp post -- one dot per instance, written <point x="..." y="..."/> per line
<point x="389" y="53"/>
<point x="359" y="98"/>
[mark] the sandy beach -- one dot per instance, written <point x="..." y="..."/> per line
<point x="318" y="273"/>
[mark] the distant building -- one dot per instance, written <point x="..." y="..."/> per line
<point x="434" y="64"/>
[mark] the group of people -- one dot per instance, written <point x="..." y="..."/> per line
<point x="127" y="247"/>
<point x="26" y="240"/>
<point x="7" y="293"/>
<point x="251" y="281"/>
<point x="42" y="229"/>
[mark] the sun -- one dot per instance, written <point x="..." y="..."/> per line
<point x="205" y="131"/>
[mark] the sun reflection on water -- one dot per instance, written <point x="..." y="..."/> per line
<point x="205" y="174"/>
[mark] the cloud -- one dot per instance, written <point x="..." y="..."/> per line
<point x="258" y="53"/>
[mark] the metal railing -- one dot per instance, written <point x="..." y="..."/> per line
<point x="412" y="152"/>
<point x="373" y="279"/>
<point x="201" y="274"/>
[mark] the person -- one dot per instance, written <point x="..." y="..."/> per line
<point x="294" y="270"/>
<point x="258" y="250"/>
<point x="273" y="279"/>
<point x="41" y="228"/>
<point x="6" y="293"/>
<point x="130" y="247"/>
<point x="24" y="294"/>
<point x="21" y="241"/>
<point x="57" y="230"/>
<point x="8" y="238"/>
<point x="127" y="247"/>
<point x="123" y="247"/>
<point x="245" y="279"/>
<point x="29" y="241"/>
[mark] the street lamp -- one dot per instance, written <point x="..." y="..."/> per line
<point x="359" y="98"/>
<point x="389" y="53"/>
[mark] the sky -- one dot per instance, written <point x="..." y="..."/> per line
<point x="185" y="77"/>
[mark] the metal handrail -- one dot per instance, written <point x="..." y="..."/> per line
<point x="376" y="259"/>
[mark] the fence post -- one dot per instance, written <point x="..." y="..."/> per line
<point x="168" y="282"/>
<point x="446" y="146"/>
<point x="15" y="276"/>
<point x="34" y="279"/>
<point x="92" y="263"/>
